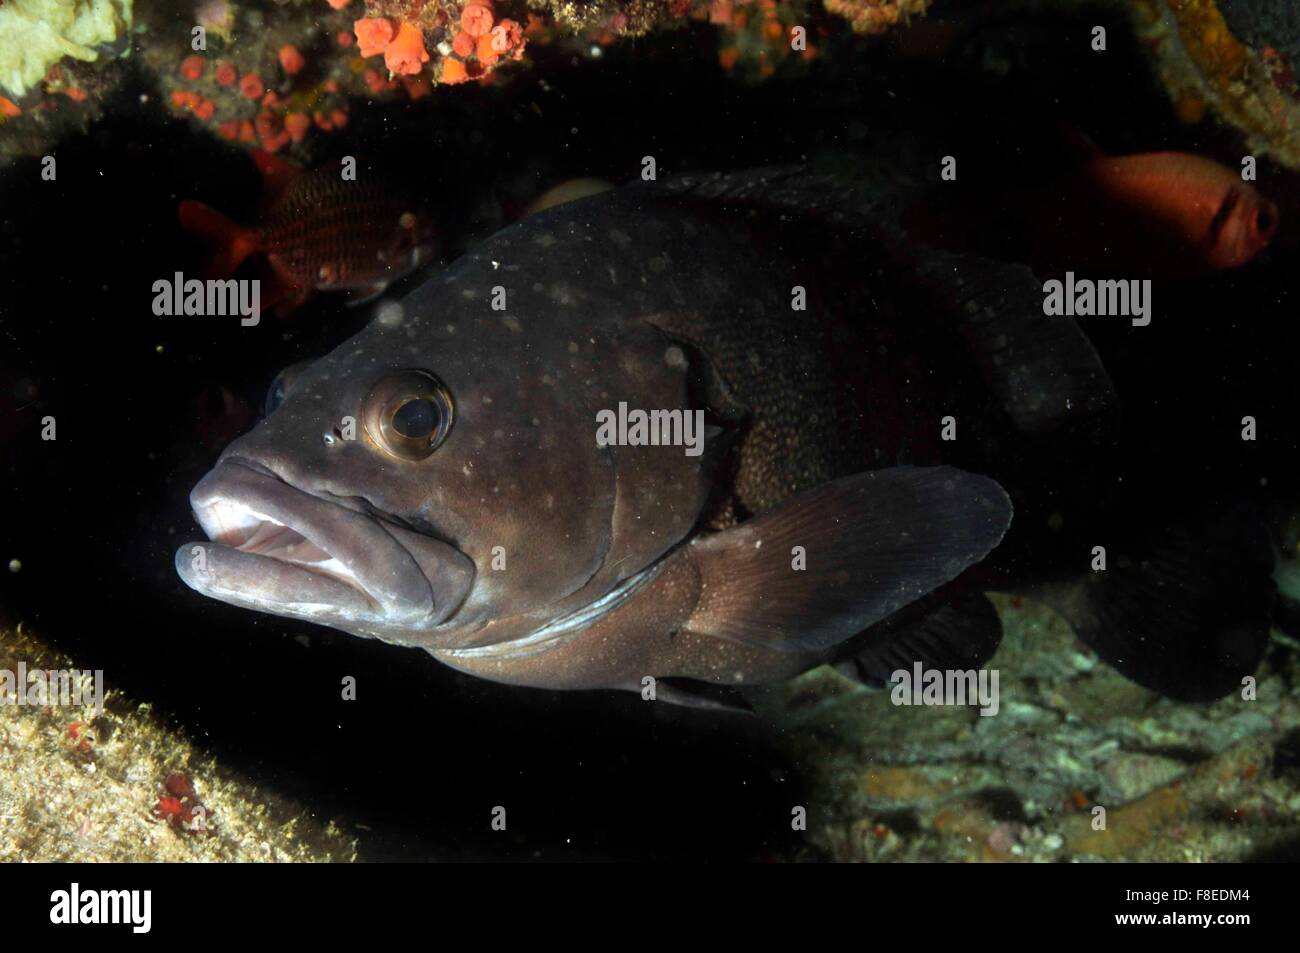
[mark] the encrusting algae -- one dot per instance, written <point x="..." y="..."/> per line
<point x="124" y="786"/>
<point x="36" y="34"/>
<point x="1233" y="57"/>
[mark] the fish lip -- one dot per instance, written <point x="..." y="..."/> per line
<point x="374" y="578"/>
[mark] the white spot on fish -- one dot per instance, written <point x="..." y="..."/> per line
<point x="390" y="314"/>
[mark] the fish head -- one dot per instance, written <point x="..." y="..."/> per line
<point x="1243" y="225"/>
<point x="436" y="480"/>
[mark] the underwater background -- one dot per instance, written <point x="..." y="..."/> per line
<point x="242" y="711"/>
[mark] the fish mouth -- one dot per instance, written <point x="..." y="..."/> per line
<point x="276" y="548"/>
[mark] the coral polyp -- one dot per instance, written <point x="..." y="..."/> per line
<point x="1234" y="57"/>
<point x="454" y="42"/>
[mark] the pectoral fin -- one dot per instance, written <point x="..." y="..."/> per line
<point x="832" y="561"/>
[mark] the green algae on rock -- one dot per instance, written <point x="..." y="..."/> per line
<point x="1177" y="782"/>
<point x="36" y="34"/>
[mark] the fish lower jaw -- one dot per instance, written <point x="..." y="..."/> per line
<point x="261" y="535"/>
<point x="259" y="563"/>
<point x="279" y="549"/>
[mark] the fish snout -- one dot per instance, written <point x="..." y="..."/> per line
<point x="276" y="548"/>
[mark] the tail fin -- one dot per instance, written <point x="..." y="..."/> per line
<point x="231" y="242"/>
<point x="1184" y="611"/>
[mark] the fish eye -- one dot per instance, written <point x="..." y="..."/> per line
<point x="408" y="414"/>
<point x="281" y="385"/>
<point x="1265" y="220"/>
<point x="274" y="395"/>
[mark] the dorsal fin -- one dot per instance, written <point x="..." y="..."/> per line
<point x="1043" y="370"/>
<point x="277" y="175"/>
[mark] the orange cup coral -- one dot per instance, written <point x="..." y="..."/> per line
<point x="453" y="71"/>
<point x="477" y="19"/>
<point x="373" y="35"/>
<point x="406" y="55"/>
<point x="290" y="59"/>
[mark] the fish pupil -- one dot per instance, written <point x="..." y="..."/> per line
<point x="416" y="418"/>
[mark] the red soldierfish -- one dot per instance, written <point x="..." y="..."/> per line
<point x="1173" y="212"/>
<point x="1169" y="214"/>
<point x="318" y="233"/>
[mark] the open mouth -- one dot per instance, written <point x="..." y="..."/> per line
<point x="276" y="548"/>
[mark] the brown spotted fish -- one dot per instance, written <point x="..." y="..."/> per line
<point x="504" y="468"/>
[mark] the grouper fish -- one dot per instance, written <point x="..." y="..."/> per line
<point x="440" y="480"/>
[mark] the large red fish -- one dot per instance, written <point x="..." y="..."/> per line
<point x="1158" y="213"/>
<point x="318" y="232"/>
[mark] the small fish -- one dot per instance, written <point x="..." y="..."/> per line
<point x="473" y="511"/>
<point x="318" y="232"/>
<point x="1165" y="214"/>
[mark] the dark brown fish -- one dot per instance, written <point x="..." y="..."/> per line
<point x="440" y="479"/>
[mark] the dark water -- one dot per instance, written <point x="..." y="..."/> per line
<point x="96" y="515"/>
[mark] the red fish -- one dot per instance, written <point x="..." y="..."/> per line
<point x="1157" y="213"/>
<point x="318" y="232"/>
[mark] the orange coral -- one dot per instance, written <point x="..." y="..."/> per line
<point x="9" y="109"/>
<point x="192" y="66"/>
<point x="226" y="74"/>
<point x="297" y="124"/>
<point x="477" y="19"/>
<point x="463" y="44"/>
<point x="338" y="4"/>
<point x="291" y="59"/>
<point x="373" y="34"/>
<point x="406" y="55"/>
<point x="508" y="37"/>
<point x="251" y="86"/>
<point x="453" y="71"/>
